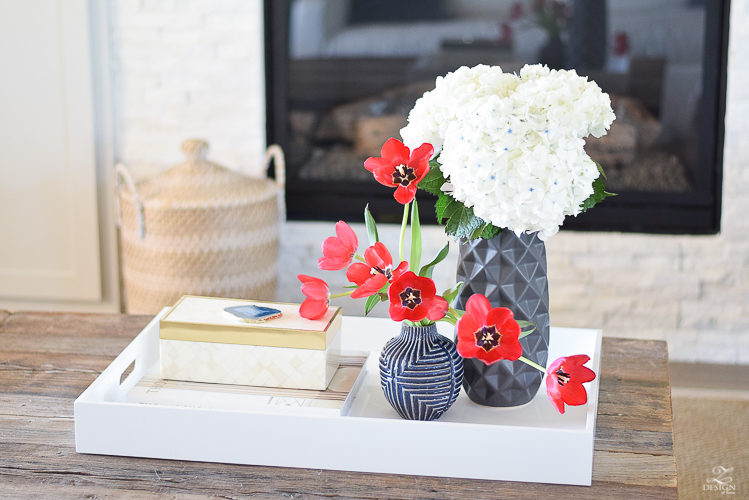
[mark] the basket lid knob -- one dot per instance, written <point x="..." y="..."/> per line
<point x="195" y="149"/>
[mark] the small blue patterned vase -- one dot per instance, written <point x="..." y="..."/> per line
<point x="421" y="372"/>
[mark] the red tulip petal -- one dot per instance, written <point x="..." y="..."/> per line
<point x="574" y="394"/>
<point x="490" y="357"/>
<point x="467" y="327"/>
<point x="378" y="256"/>
<point x="382" y="171"/>
<point x="423" y="152"/>
<point x="417" y="314"/>
<point x="467" y="348"/>
<point x="556" y="365"/>
<point x="398" y="271"/>
<point x="503" y="318"/>
<point x="405" y="280"/>
<point x="313" y="309"/>
<point x="395" y="151"/>
<point x="374" y="163"/>
<point x="478" y="306"/>
<point x="358" y="273"/>
<point x="437" y="309"/>
<point x="580" y="373"/>
<point x="347" y="236"/>
<point x="396" y="311"/>
<point x="577" y="359"/>
<point x="332" y="264"/>
<point x="315" y="291"/>
<point x="552" y="390"/>
<point x="405" y="194"/>
<point x="335" y="247"/>
<point x="421" y="169"/>
<point x="370" y="287"/>
<point x="508" y="349"/>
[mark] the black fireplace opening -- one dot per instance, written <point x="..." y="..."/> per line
<point x="342" y="75"/>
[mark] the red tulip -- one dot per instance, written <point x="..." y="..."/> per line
<point x="338" y="251"/>
<point x="373" y="275"/>
<point x="488" y="334"/>
<point x="318" y="297"/>
<point x="414" y="298"/>
<point x="399" y="168"/>
<point x="564" y="383"/>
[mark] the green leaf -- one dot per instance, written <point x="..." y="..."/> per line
<point x="371" y="302"/>
<point x="525" y="324"/>
<point x="445" y="206"/>
<point x="427" y="269"/>
<point x="415" y="260"/>
<point x="462" y="222"/>
<point x="600" y="169"/>
<point x="452" y="293"/>
<point x="433" y="180"/>
<point x="371" y="226"/>
<point x="477" y="233"/>
<point x="599" y="194"/>
<point x="490" y="231"/>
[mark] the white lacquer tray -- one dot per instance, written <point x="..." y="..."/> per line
<point x="528" y="443"/>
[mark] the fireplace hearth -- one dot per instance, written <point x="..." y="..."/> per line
<point x="342" y="76"/>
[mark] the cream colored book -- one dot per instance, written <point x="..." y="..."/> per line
<point x="336" y="399"/>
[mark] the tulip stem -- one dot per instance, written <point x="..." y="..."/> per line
<point x="403" y="231"/>
<point x="531" y="363"/>
<point x="359" y="258"/>
<point x="456" y="313"/>
<point x="336" y="295"/>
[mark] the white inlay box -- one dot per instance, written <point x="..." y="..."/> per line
<point x="201" y="342"/>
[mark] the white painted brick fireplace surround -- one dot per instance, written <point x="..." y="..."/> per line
<point x="187" y="68"/>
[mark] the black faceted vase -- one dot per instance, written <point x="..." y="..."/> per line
<point x="511" y="272"/>
<point x="420" y="372"/>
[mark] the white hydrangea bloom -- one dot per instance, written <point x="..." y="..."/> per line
<point x="514" y="151"/>
<point x="453" y="96"/>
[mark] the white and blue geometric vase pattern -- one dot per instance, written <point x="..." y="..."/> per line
<point x="421" y="372"/>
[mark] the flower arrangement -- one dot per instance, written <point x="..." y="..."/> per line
<point x="489" y="334"/>
<point x="511" y="148"/>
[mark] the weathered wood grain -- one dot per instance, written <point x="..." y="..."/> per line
<point x="75" y="324"/>
<point x="58" y="467"/>
<point x="635" y="468"/>
<point x="48" y="359"/>
<point x="49" y="374"/>
<point x="3" y="316"/>
<point x="627" y="440"/>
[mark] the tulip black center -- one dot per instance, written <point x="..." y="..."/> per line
<point x="403" y="175"/>
<point x="562" y="378"/>
<point x="487" y="338"/>
<point x="410" y="298"/>
<point x="388" y="272"/>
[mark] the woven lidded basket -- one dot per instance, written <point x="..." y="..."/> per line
<point x="199" y="229"/>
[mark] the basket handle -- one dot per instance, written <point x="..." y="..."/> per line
<point x="123" y="174"/>
<point x="275" y="153"/>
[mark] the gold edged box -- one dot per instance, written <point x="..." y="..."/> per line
<point x="200" y="342"/>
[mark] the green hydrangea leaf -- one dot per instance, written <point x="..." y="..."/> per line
<point x="462" y="222"/>
<point x="433" y="181"/>
<point x="599" y="194"/>
<point x="490" y="231"/>
<point x="446" y="206"/>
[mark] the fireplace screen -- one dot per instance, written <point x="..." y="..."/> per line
<point x="343" y="75"/>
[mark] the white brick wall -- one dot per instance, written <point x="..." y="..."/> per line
<point x="193" y="68"/>
<point x="188" y="68"/>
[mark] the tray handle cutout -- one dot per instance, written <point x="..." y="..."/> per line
<point x="127" y="373"/>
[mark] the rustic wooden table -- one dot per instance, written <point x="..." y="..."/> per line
<point x="48" y="359"/>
